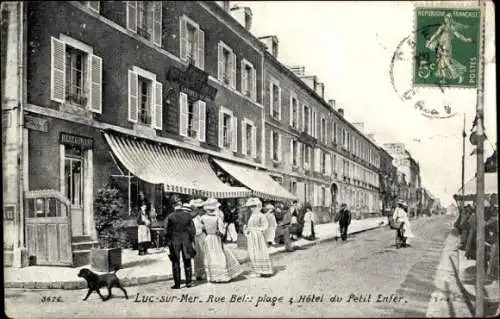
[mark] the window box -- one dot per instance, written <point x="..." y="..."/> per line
<point x="77" y="99"/>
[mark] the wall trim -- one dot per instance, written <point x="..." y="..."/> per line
<point x="36" y="109"/>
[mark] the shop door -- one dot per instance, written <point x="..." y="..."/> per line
<point x="74" y="187"/>
<point x="48" y="232"/>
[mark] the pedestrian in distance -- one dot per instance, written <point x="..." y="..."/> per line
<point x="180" y="237"/>
<point x="284" y="226"/>
<point x="294" y="226"/>
<point x="344" y="219"/>
<point x="401" y="216"/>
<point x="270" y="232"/>
<point x="308" y="230"/>
<point x="220" y="263"/>
<point x="257" y="246"/>
<point x="199" y="240"/>
<point x="143" y="229"/>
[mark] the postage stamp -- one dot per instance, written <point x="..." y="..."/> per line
<point x="447" y="47"/>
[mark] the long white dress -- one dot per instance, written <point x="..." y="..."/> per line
<point x="308" y="219"/>
<point x="270" y="232"/>
<point x="257" y="245"/>
<point x="400" y="215"/>
<point x="200" y="247"/>
<point x="220" y="263"/>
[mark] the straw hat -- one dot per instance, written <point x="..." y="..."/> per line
<point x="268" y="207"/>
<point x="196" y="203"/>
<point x="253" y="201"/>
<point x="211" y="203"/>
<point x="402" y="202"/>
<point x="184" y="207"/>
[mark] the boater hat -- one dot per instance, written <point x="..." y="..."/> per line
<point x="196" y="203"/>
<point x="211" y="203"/>
<point x="253" y="201"/>
<point x="402" y="202"/>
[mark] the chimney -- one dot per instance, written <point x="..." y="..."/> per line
<point x="360" y="126"/>
<point x="243" y="15"/>
<point x="298" y="70"/>
<point x="310" y="80"/>
<point x="341" y="112"/>
<point x="271" y="42"/>
<point x="332" y="103"/>
<point x="320" y="89"/>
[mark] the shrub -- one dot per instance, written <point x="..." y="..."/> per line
<point x="110" y="218"/>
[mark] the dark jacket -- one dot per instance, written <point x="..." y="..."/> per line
<point x="344" y="216"/>
<point x="180" y="233"/>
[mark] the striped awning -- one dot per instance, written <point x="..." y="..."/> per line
<point x="261" y="184"/>
<point x="470" y="188"/>
<point x="181" y="171"/>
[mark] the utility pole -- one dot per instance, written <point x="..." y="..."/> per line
<point x="480" y="253"/>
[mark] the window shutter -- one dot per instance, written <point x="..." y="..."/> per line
<point x="183" y="38"/>
<point x="302" y="111"/>
<point x="201" y="49"/>
<point x="271" y="99"/>
<point x="95" y="71"/>
<point x="133" y="108"/>
<point x="202" y="108"/>
<point x="233" y="70"/>
<point x="271" y="145"/>
<point x="328" y="164"/>
<point x="220" y="69"/>
<point x="244" y="137"/>
<point x="254" y="84"/>
<point x="158" y="111"/>
<point x="244" y="83"/>
<point x="234" y="131"/>
<point x="328" y="198"/>
<point x="299" y="154"/>
<point x="183" y="115"/>
<point x="221" y="128"/>
<point x="157" y="23"/>
<point x="291" y="109"/>
<point x="58" y="70"/>
<point x="94" y="5"/>
<point x="317" y="159"/>
<point x="279" y="103"/>
<point x="280" y="157"/>
<point x="254" y="141"/>
<point x="291" y="151"/>
<point x="132" y="16"/>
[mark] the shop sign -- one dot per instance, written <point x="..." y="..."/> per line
<point x="36" y="123"/>
<point x="76" y="140"/>
<point x="193" y="82"/>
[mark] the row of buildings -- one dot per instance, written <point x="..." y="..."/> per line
<point x="168" y="97"/>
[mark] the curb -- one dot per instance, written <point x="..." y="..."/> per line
<point x="134" y="281"/>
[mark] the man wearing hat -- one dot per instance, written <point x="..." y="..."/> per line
<point x="180" y="237"/>
<point x="344" y="219"/>
<point x="270" y="232"/>
<point x="199" y="241"/>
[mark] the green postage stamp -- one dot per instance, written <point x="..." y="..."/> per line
<point x="447" y="47"/>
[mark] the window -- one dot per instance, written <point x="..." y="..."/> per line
<point x="334" y="132"/>
<point x="145" y="96"/>
<point x="323" y="196"/>
<point x="294" y="152"/>
<point x="293" y="187"/>
<point x="192" y="46"/>
<point x="248" y="80"/>
<point x="323" y="130"/>
<point x="249" y="138"/>
<point x="306" y="120"/>
<point x="76" y="74"/>
<point x="228" y="131"/>
<point x="227" y="65"/>
<point x="275" y="146"/>
<point x="193" y="115"/>
<point x="323" y="162"/>
<point x="294" y="112"/>
<point x="344" y="138"/>
<point x="275" y="100"/>
<point x="145" y="19"/>
<point x="73" y="175"/>
<point x="314" y="124"/>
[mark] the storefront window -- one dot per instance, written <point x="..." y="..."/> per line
<point x="73" y="175"/>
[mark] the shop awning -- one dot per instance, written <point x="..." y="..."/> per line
<point x="261" y="184"/>
<point x="490" y="187"/>
<point x="181" y="171"/>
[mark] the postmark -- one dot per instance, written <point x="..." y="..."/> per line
<point x="425" y="78"/>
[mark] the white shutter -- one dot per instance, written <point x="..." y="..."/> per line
<point x="299" y="154"/>
<point x="202" y="120"/>
<point x="280" y="157"/>
<point x="271" y="100"/>
<point x="328" y="164"/>
<point x="132" y="16"/>
<point x="157" y="23"/>
<point x="328" y="199"/>
<point x="291" y="151"/>
<point x="254" y="141"/>
<point x="183" y="38"/>
<point x="95" y="71"/>
<point x="201" y="49"/>
<point x="244" y="137"/>
<point x="233" y="70"/>
<point x="317" y="161"/>
<point x="315" y="195"/>
<point x="279" y="103"/>
<point x="158" y="103"/>
<point x="220" y="69"/>
<point x="254" y="84"/>
<point x="244" y="81"/>
<point x="234" y="131"/>
<point x="291" y="109"/>
<point x="302" y="112"/>
<point x="133" y="107"/>
<point x="221" y="128"/>
<point x="58" y="70"/>
<point x="183" y="114"/>
<point x="271" y="145"/>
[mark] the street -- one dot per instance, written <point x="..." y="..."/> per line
<point x="365" y="276"/>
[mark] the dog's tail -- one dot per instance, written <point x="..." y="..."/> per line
<point x="116" y="269"/>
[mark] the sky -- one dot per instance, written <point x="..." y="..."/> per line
<point x="349" y="46"/>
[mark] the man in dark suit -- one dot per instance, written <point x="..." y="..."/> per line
<point x="180" y="235"/>
<point x="344" y="221"/>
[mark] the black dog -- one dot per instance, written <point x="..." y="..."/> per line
<point x="96" y="282"/>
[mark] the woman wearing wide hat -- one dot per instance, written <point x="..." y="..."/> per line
<point x="199" y="240"/>
<point x="220" y="263"/>
<point x="257" y="245"/>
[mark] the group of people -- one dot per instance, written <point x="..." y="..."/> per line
<point x="195" y="231"/>
<point x="466" y="224"/>
<point x="401" y="222"/>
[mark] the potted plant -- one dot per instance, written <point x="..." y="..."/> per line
<point x="110" y="227"/>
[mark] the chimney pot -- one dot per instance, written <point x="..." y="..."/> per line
<point x="243" y="15"/>
<point x="332" y="103"/>
<point x="341" y="112"/>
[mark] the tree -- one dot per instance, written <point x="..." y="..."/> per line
<point x="109" y="217"/>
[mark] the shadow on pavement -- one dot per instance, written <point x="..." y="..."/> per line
<point x="144" y="262"/>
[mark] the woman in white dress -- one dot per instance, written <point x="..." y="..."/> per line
<point x="143" y="229"/>
<point x="400" y="215"/>
<point x="220" y="263"/>
<point x="257" y="246"/>
<point x="270" y="232"/>
<point x="308" y="231"/>
<point x="199" y="240"/>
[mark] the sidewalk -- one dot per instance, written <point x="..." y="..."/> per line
<point x="156" y="265"/>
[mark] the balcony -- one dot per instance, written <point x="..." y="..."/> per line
<point x="77" y="98"/>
